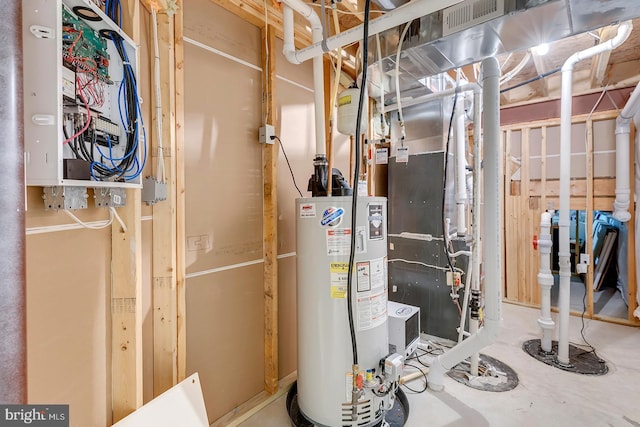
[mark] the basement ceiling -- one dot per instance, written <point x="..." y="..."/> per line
<point x="620" y="68"/>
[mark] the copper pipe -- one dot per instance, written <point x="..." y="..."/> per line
<point x="13" y="361"/>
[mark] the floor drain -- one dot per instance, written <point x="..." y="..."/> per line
<point x="494" y="375"/>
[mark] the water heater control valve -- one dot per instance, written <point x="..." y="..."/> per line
<point x="393" y="367"/>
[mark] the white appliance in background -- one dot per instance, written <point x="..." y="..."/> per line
<point x="404" y="328"/>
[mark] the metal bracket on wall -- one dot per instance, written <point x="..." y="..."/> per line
<point x="109" y="197"/>
<point x="59" y="197"/>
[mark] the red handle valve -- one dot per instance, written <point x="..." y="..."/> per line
<point x="535" y="242"/>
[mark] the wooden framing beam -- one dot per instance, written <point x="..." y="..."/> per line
<point x="253" y="13"/>
<point x="328" y="116"/>
<point x="588" y="244"/>
<point x="270" y="215"/>
<point x="540" y="67"/>
<point x="600" y="62"/>
<point x="126" y="284"/>
<point x="165" y="333"/>
<point x="180" y="193"/>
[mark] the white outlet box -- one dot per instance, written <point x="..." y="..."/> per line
<point x="267" y="134"/>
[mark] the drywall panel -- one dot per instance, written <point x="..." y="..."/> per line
<point x="182" y="405"/>
<point x="223" y="161"/>
<point x="212" y="25"/>
<point x="296" y="131"/>
<point x="604" y="165"/>
<point x="604" y="135"/>
<point x="38" y="217"/>
<point x="299" y="73"/>
<point x="287" y="318"/>
<point x="225" y="336"/>
<point x="68" y="327"/>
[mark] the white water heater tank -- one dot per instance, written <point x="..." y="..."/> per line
<point x="324" y="340"/>
<point x="348" y="111"/>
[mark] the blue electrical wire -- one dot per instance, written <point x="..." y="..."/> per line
<point x="109" y="166"/>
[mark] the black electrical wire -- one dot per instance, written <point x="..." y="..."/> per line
<point x="425" y="380"/>
<point x="289" y="164"/>
<point x="444" y="181"/>
<point x="531" y="80"/>
<point x="592" y="349"/>
<point x="356" y="172"/>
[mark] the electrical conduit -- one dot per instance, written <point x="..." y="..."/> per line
<point x="492" y="227"/>
<point x="565" y="177"/>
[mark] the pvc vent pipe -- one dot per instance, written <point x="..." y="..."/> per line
<point x="289" y="51"/>
<point x="623" y="139"/>
<point x="405" y="13"/>
<point x="492" y="229"/>
<point x="545" y="280"/>
<point x="565" y="177"/>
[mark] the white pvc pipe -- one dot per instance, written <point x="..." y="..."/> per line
<point x="545" y="280"/>
<point x="565" y="177"/>
<point x="476" y="217"/>
<point x="473" y="271"/>
<point x="289" y="51"/>
<point x="412" y="10"/>
<point x="492" y="230"/>
<point x="623" y="136"/>
<point x="465" y="303"/>
<point x="460" y="182"/>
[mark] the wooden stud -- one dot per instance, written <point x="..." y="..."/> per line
<point x="165" y="332"/>
<point x="180" y="194"/>
<point x="126" y="284"/>
<point x="589" y="225"/>
<point x="329" y="125"/>
<point x="525" y="260"/>
<point x="270" y="221"/>
<point x="511" y="237"/>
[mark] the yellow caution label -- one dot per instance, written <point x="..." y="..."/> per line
<point x="338" y="292"/>
<point x="339" y="267"/>
<point x="344" y="100"/>
<point x="339" y="274"/>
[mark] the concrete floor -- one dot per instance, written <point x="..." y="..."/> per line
<point x="545" y="396"/>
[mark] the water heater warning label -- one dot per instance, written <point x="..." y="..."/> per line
<point x="339" y="274"/>
<point x="338" y="241"/>
<point x="372" y="309"/>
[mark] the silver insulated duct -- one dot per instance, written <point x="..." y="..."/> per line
<point x="473" y="30"/>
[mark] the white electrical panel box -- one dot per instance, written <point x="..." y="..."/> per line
<point x="82" y="119"/>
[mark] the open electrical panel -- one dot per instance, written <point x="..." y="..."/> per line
<point x="82" y="119"/>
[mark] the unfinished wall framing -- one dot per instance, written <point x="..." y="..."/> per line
<point x="531" y="185"/>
